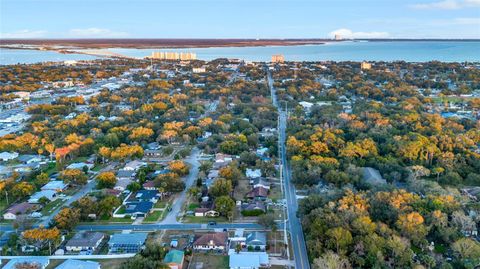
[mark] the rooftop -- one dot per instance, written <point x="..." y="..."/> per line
<point x="128" y="239"/>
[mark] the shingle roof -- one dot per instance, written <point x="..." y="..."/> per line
<point x="256" y="238"/>
<point x="85" y="239"/>
<point x="21" y="208"/>
<point x="217" y="239"/>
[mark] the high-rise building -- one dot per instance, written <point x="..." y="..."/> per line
<point x="278" y="58"/>
<point x="338" y="37"/>
<point x="365" y="65"/>
<point x="169" y="55"/>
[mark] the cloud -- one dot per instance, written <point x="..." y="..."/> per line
<point x="448" y="4"/>
<point x="347" y="33"/>
<point x="95" y="33"/>
<point x="466" y="21"/>
<point x="24" y="34"/>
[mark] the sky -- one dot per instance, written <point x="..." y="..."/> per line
<point x="239" y="18"/>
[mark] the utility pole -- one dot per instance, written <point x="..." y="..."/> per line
<point x="6" y="197"/>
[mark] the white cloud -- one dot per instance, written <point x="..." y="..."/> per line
<point x="95" y="33"/>
<point x="467" y="21"/>
<point x="448" y="4"/>
<point x="24" y="34"/>
<point x="347" y="33"/>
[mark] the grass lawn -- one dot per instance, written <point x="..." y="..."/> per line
<point x="193" y="219"/>
<point x="111" y="263"/>
<point x="48" y="208"/>
<point x="98" y="167"/>
<point x="154" y="216"/>
<point x="109" y="220"/>
<point x="193" y="206"/>
<point x="161" y="204"/>
<point x="275" y="193"/>
<point x="3" y="205"/>
<point x="210" y="260"/>
<point x="121" y="210"/>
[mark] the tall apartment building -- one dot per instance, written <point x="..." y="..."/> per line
<point x="169" y="55"/>
<point x="365" y="66"/>
<point x="278" y="58"/>
<point x="338" y="37"/>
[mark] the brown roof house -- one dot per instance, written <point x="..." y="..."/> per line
<point x="19" y="209"/>
<point x="211" y="241"/>
<point x="258" y="193"/>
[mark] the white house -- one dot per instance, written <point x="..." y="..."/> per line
<point x="248" y="260"/>
<point x="54" y="185"/>
<point x="253" y="173"/>
<point x="35" y="198"/>
<point x="8" y="156"/>
<point x="134" y="165"/>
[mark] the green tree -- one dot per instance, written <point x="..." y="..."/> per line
<point x="221" y="187"/>
<point x="225" y="205"/>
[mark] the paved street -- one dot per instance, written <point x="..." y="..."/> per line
<point x="79" y="194"/>
<point x="178" y="226"/>
<point x="294" y="225"/>
<point x="192" y="160"/>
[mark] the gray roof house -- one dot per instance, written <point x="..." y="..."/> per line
<point x="78" y="264"/>
<point x="84" y="241"/>
<point x="372" y="176"/>
<point x="258" y="240"/>
<point x="127" y="243"/>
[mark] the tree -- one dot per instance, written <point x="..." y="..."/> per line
<point x="41" y="179"/>
<point x="51" y="149"/>
<point x="169" y="182"/>
<point x="267" y="221"/>
<point x="221" y="187"/>
<point x="22" y="189"/>
<point x="339" y="238"/>
<point x="105" y="153"/>
<point x="41" y="237"/>
<point x="134" y="186"/>
<point x="141" y="133"/>
<point x="106" y="180"/>
<point x="107" y="204"/>
<point x="178" y="167"/>
<point x="194" y="191"/>
<point x="466" y="248"/>
<point x="225" y="205"/>
<point x="67" y="218"/>
<point x="74" y="176"/>
<point x="331" y="260"/>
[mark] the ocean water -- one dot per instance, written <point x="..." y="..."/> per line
<point x="21" y="56"/>
<point x="410" y="51"/>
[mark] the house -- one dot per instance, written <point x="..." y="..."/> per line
<point x="28" y="159"/>
<point x="138" y="209"/>
<point x="260" y="182"/>
<point x="254" y="206"/>
<point x="125" y="174"/>
<point x="84" y="241"/>
<point x="113" y="192"/>
<point x="80" y="166"/>
<point x="253" y="173"/>
<point x="206" y="209"/>
<point x="372" y="176"/>
<point x="127" y="243"/>
<point x="261" y="151"/>
<point x="149" y="185"/>
<point x="134" y="165"/>
<point x="49" y="194"/>
<point x="54" y="185"/>
<point x="258" y="193"/>
<point x="174" y="259"/>
<point x="33" y="262"/>
<point x="223" y="158"/>
<point x="8" y="156"/>
<point x="211" y="241"/>
<point x="78" y="264"/>
<point x="144" y="195"/>
<point x="19" y="209"/>
<point x="256" y="240"/>
<point x="122" y="184"/>
<point x="213" y="173"/>
<point x="153" y="153"/>
<point x="248" y="260"/>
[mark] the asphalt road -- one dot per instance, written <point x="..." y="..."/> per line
<point x="79" y="194"/>
<point x="171" y="217"/>
<point x="178" y="226"/>
<point x="294" y="225"/>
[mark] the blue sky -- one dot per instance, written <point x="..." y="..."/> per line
<point x="239" y="18"/>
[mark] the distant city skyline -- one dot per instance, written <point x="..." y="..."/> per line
<point x="449" y="19"/>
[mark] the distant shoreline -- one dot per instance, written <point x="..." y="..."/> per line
<point x="59" y="44"/>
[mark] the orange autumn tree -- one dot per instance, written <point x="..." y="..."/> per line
<point x="178" y="167"/>
<point x="41" y="237"/>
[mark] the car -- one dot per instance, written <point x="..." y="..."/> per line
<point x="212" y="223"/>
